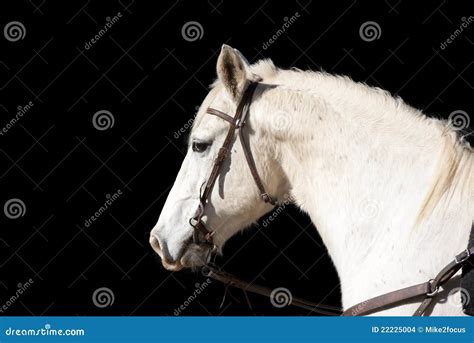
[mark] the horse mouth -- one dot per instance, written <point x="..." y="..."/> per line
<point x="172" y="267"/>
<point x="195" y="255"/>
<point x="191" y="255"/>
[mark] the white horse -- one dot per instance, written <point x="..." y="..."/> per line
<point x="390" y="190"/>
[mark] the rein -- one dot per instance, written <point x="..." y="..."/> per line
<point x="395" y="298"/>
<point x="385" y="301"/>
<point x="231" y="280"/>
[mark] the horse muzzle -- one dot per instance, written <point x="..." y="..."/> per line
<point x="192" y="255"/>
<point x="169" y="265"/>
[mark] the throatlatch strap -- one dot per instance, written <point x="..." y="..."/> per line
<point x="467" y="281"/>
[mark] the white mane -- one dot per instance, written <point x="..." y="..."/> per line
<point x="379" y="106"/>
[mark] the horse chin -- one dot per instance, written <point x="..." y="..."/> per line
<point x="173" y="267"/>
<point x="195" y="256"/>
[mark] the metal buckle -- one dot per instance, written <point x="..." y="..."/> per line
<point x="462" y="257"/>
<point x="433" y="292"/>
<point x="193" y="222"/>
<point x="265" y="197"/>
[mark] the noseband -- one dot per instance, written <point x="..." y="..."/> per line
<point x="236" y="123"/>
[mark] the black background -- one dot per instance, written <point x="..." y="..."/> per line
<point x="151" y="80"/>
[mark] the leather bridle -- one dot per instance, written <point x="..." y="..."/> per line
<point x="236" y="123"/>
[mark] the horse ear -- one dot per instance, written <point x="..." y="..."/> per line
<point x="232" y="71"/>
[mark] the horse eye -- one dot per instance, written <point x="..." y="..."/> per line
<point x="200" y="146"/>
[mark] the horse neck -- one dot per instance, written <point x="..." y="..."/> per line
<point x="385" y="187"/>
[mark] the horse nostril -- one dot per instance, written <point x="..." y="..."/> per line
<point x="166" y="260"/>
<point x="155" y="244"/>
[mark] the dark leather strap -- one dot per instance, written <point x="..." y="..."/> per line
<point x="253" y="168"/>
<point x="467" y="280"/>
<point x="221" y="115"/>
<point x="392" y="298"/>
<point x="231" y="280"/>
<point x="396" y="298"/>
<point x="236" y="122"/>
<point x="428" y="289"/>
<point x="444" y="276"/>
